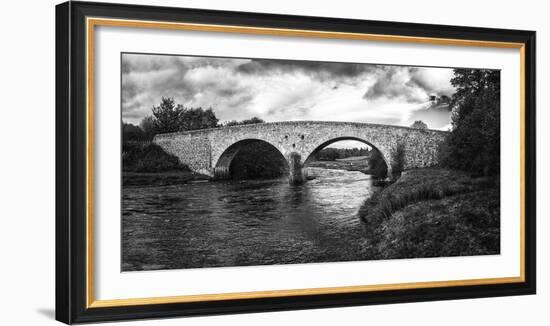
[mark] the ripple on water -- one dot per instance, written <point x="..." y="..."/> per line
<point x="254" y="222"/>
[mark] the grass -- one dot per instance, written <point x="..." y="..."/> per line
<point x="434" y="212"/>
<point x="148" y="157"/>
<point x="147" y="164"/>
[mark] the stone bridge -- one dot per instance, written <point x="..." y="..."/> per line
<point x="210" y="151"/>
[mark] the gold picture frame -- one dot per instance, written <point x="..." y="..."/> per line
<point x="89" y="17"/>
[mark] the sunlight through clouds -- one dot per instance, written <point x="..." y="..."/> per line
<point x="281" y="90"/>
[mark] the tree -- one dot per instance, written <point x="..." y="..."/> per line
<point x="419" y="124"/>
<point x="474" y="142"/>
<point x="252" y="120"/>
<point x="231" y="123"/>
<point x="197" y="118"/>
<point x="328" y="154"/>
<point x="333" y="153"/>
<point x="473" y="83"/>
<point x="377" y="164"/>
<point x="147" y="124"/>
<point x="131" y="132"/>
<point x="168" y="116"/>
<point x="398" y="160"/>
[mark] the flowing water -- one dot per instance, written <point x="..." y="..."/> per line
<point x="239" y="223"/>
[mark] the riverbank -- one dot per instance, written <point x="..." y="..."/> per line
<point x="360" y="165"/>
<point x="147" y="157"/>
<point x="161" y="178"/>
<point x="147" y="164"/>
<point x="431" y="213"/>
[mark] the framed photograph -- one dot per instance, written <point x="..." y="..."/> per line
<point x="214" y="162"/>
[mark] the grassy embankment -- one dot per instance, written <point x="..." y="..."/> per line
<point x="372" y="164"/>
<point x="359" y="163"/>
<point x="434" y="212"/>
<point x="145" y="163"/>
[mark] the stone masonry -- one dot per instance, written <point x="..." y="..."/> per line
<point x="210" y="151"/>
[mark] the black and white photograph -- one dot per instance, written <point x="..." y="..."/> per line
<point x="226" y="160"/>
<point x="244" y="162"/>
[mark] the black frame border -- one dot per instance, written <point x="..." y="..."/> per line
<point x="71" y="161"/>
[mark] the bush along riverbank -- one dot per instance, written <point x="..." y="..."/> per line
<point x="432" y="213"/>
<point x="145" y="163"/>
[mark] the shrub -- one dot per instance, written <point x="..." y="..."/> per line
<point x="433" y="212"/>
<point x="132" y="132"/>
<point x="398" y="160"/>
<point x="377" y="164"/>
<point x="148" y="157"/>
<point x="419" y="124"/>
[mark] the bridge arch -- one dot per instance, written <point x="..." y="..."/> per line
<point x="311" y="155"/>
<point x="223" y="168"/>
<point x="202" y="150"/>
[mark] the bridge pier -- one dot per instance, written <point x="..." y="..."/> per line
<point x="297" y="173"/>
<point x="389" y="174"/>
<point x="222" y="173"/>
<point x="211" y="151"/>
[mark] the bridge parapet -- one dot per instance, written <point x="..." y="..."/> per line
<point x="210" y="150"/>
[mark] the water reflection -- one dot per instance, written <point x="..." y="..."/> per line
<point x="245" y="222"/>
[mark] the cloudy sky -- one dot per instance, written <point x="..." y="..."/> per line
<point x="281" y="90"/>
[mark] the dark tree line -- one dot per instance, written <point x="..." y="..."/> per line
<point x="171" y="117"/>
<point x="331" y="154"/>
<point x="243" y="122"/>
<point x="474" y="142"/>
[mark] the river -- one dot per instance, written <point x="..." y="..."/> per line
<point x="241" y="223"/>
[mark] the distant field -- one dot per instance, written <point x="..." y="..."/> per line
<point x="353" y="158"/>
<point x="349" y="164"/>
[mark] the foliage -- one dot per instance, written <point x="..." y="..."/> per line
<point x="147" y="124"/>
<point x="331" y="153"/>
<point x="169" y="117"/>
<point x="377" y="165"/>
<point x="132" y="132"/>
<point x="419" y="124"/>
<point x="467" y="224"/>
<point x="433" y="212"/>
<point x="398" y="159"/>
<point x="252" y="120"/>
<point x="474" y="142"/>
<point x="148" y="157"/>
<point x="417" y="185"/>
<point x="198" y="118"/>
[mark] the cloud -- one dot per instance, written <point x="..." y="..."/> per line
<point x="322" y="71"/>
<point x="411" y="84"/>
<point x="436" y="115"/>
<point x="277" y="90"/>
<point x="192" y="81"/>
